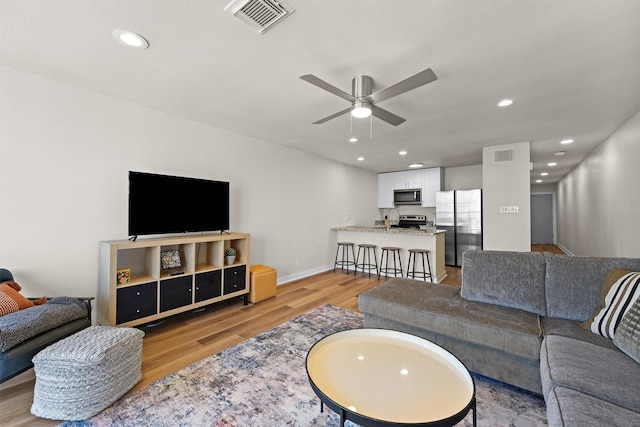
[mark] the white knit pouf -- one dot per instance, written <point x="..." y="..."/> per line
<point x="81" y="375"/>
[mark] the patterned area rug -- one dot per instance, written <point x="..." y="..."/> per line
<point x="263" y="382"/>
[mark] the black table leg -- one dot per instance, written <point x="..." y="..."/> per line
<point x="475" y="416"/>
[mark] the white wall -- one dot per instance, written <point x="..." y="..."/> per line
<point x="506" y="184"/>
<point x="65" y="156"/>
<point x="463" y="178"/>
<point x="543" y="188"/>
<point x="598" y="203"/>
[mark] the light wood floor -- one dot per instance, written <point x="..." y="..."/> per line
<point x="188" y="338"/>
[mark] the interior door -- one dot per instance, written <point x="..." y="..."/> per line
<point x="542" y="218"/>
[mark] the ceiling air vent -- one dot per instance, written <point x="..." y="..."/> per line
<point x="259" y="14"/>
<point x="503" y="156"/>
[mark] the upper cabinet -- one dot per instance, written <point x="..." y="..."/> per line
<point x="432" y="182"/>
<point x="385" y="190"/>
<point x="406" y="180"/>
<point x="428" y="180"/>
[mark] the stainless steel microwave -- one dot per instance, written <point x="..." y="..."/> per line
<point x="410" y="196"/>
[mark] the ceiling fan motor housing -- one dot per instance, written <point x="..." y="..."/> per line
<point x="361" y="86"/>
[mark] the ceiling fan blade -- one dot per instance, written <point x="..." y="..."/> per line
<point x="333" y="116"/>
<point x="387" y="116"/>
<point x="327" y="86"/>
<point x="410" y="83"/>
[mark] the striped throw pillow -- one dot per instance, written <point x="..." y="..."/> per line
<point x="627" y="336"/>
<point x="618" y="301"/>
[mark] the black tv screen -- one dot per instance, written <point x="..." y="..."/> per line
<point x="160" y="204"/>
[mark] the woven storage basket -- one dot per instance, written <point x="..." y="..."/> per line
<point x="81" y="375"/>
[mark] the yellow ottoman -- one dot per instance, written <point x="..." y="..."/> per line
<point x="263" y="283"/>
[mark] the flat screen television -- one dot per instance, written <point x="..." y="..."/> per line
<point x="161" y="204"/>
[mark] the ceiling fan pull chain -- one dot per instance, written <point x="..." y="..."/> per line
<point x="350" y="124"/>
<point x="371" y="126"/>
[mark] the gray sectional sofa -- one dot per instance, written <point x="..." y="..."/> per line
<point x="516" y="319"/>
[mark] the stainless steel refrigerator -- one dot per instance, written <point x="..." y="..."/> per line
<point x="459" y="213"/>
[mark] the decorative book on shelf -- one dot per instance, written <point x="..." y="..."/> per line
<point x="170" y="258"/>
<point x="123" y="276"/>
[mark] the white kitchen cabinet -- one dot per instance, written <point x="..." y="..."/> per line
<point x="385" y="190"/>
<point x="407" y="179"/>
<point x="432" y="182"/>
<point x="429" y="180"/>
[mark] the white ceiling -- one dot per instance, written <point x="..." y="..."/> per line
<point x="572" y="67"/>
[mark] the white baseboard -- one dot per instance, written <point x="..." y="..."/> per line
<point x="303" y="274"/>
<point x="567" y="251"/>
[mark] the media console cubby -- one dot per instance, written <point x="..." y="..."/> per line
<point x="135" y="289"/>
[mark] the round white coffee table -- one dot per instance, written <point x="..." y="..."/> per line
<point x="378" y="377"/>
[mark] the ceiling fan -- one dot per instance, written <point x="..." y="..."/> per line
<point x="363" y="101"/>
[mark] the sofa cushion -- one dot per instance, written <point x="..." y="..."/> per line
<point x="627" y="337"/>
<point x="601" y="372"/>
<point x="618" y="301"/>
<point x="566" y="407"/>
<point x="572" y="284"/>
<point x="439" y="308"/>
<point x="507" y="279"/>
<point x="571" y="329"/>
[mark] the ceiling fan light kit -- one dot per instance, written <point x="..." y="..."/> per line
<point x="361" y="110"/>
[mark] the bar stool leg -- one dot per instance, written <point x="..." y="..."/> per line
<point x="374" y="260"/>
<point x="355" y="264"/>
<point x="395" y="267"/>
<point x="381" y="261"/>
<point x="358" y="259"/>
<point x="366" y="261"/>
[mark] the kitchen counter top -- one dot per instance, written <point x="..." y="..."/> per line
<point x="393" y="230"/>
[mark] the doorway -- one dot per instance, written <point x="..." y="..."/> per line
<point x="543" y="218"/>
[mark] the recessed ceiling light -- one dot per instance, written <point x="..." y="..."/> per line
<point x="505" y="102"/>
<point x="538" y="180"/>
<point x="559" y="153"/>
<point x="544" y="174"/>
<point x="552" y="164"/>
<point x="566" y="141"/>
<point x="130" y="39"/>
<point x="402" y="153"/>
<point x="353" y="139"/>
<point x="360" y="159"/>
<point x="416" y="165"/>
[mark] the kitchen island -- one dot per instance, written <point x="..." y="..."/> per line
<point x="404" y="238"/>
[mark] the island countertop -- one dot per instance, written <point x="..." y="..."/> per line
<point x="404" y="238"/>
<point x="392" y="230"/>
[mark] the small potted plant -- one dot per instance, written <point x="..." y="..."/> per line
<point x="230" y="254"/>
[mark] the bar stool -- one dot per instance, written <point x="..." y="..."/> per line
<point x="395" y="253"/>
<point x="344" y="260"/>
<point x="426" y="270"/>
<point x="366" y="258"/>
